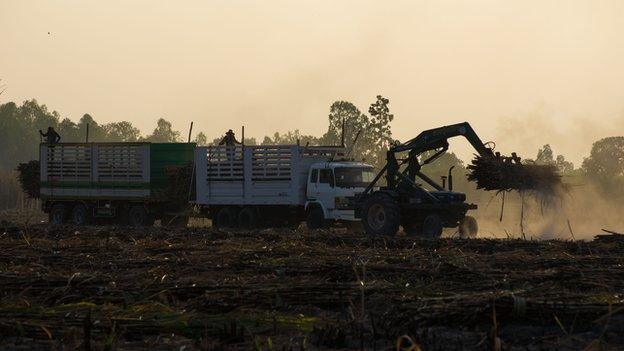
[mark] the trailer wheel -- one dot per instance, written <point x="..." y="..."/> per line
<point x="226" y="218"/>
<point x="468" y="227"/>
<point x="247" y="218"/>
<point x="432" y="227"/>
<point x="138" y="216"/>
<point x="80" y="215"/>
<point x="58" y="214"/>
<point x="381" y="215"/>
<point x="316" y="218"/>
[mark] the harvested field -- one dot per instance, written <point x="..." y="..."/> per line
<point x="121" y="288"/>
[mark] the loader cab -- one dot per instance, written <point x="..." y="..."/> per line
<point x="331" y="185"/>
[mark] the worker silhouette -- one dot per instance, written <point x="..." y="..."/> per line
<point x="51" y="137"/>
<point x="229" y="139"/>
<point x="230" y="142"/>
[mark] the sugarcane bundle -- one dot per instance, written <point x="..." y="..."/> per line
<point x="505" y="174"/>
<point x="28" y="176"/>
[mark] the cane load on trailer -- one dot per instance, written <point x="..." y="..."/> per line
<point x="278" y="185"/>
<point x="126" y="183"/>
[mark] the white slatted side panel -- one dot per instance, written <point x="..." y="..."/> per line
<point x="120" y="163"/>
<point x="224" y="163"/>
<point x="271" y="163"/>
<point x="68" y="162"/>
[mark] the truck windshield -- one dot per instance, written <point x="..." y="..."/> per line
<point x="358" y="177"/>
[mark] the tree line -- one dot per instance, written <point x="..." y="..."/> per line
<point x="366" y="135"/>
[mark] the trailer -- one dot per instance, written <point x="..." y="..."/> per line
<point x="124" y="183"/>
<point x="277" y="185"/>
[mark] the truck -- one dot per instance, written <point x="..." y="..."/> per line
<point x="122" y="183"/>
<point x="242" y="186"/>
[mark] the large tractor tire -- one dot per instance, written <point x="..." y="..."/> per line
<point x="80" y="215"/>
<point x="316" y="218"/>
<point x="381" y="215"/>
<point x="468" y="227"/>
<point x="248" y="218"/>
<point x="432" y="227"/>
<point x="58" y="214"/>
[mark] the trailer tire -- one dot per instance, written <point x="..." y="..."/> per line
<point x="432" y="227"/>
<point x="468" y="227"/>
<point x="139" y="217"/>
<point x="57" y="214"/>
<point x="247" y="218"/>
<point x="316" y="218"/>
<point x="226" y="218"/>
<point x="80" y="215"/>
<point x="381" y="215"/>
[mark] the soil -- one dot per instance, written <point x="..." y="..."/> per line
<point x="111" y="288"/>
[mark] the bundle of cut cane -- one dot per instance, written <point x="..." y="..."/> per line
<point x="507" y="174"/>
<point x="28" y="176"/>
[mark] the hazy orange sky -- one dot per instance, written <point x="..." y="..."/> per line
<point x="524" y="73"/>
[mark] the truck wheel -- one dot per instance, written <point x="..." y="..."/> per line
<point x="432" y="227"/>
<point x="226" y="218"/>
<point x="58" y="214"/>
<point x="468" y="227"/>
<point x="80" y="215"/>
<point x="247" y="218"/>
<point x="381" y="215"/>
<point x="138" y="216"/>
<point x="316" y="218"/>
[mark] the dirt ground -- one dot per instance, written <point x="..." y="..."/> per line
<point x="106" y="288"/>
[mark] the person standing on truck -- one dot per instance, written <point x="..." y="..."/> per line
<point x="51" y="137"/>
<point x="229" y="140"/>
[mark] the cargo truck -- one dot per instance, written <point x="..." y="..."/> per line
<point x="123" y="183"/>
<point x="278" y="185"/>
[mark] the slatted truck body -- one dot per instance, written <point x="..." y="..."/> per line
<point x="248" y="186"/>
<point x="125" y="182"/>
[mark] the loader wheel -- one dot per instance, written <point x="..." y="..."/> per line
<point x="226" y="218"/>
<point x="138" y="216"/>
<point x="468" y="227"/>
<point x="432" y="227"/>
<point x="316" y="218"/>
<point x="381" y="215"/>
<point x="58" y="214"/>
<point x="247" y="218"/>
<point x="80" y="215"/>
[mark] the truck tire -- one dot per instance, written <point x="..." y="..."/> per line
<point x="57" y="214"/>
<point x="432" y="227"/>
<point x="381" y="215"/>
<point x="468" y="227"/>
<point x="138" y="216"/>
<point x="226" y="218"/>
<point x="80" y="215"/>
<point x="247" y="218"/>
<point x="316" y="218"/>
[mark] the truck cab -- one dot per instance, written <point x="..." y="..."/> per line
<point x="330" y="186"/>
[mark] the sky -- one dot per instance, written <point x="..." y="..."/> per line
<point x="523" y="73"/>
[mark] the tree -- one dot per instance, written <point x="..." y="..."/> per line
<point x="290" y="138"/>
<point x="163" y="133"/>
<point x="121" y="131"/>
<point x="201" y="139"/>
<point x="545" y="156"/>
<point x="379" y="129"/>
<point x="605" y="166"/>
